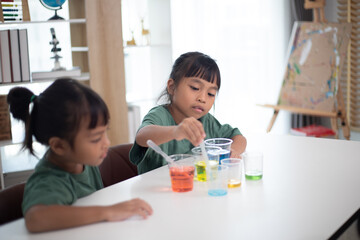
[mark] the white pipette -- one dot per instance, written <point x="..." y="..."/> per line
<point x="157" y="149"/>
<point x="207" y="163"/>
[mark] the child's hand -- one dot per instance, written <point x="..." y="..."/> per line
<point x="238" y="146"/>
<point x="235" y="154"/>
<point x="190" y="129"/>
<point x="129" y="208"/>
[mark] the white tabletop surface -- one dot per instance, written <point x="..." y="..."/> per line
<point x="309" y="189"/>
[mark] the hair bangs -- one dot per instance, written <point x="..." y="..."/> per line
<point x="205" y="70"/>
<point x="98" y="112"/>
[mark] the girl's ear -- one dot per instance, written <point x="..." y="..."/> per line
<point x="171" y="86"/>
<point x="58" y="145"/>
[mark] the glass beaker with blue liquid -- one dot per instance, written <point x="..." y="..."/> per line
<point x="223" y="143"/>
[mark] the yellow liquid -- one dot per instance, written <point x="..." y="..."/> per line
<point x="201" y="169"/>
<point x="234" y="183"/>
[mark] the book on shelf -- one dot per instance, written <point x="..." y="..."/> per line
<point x="313" y="131"/>
<point x="5" y="56"/>
<point x="74" y="72"/>
<point x="24" y="55"/>
<point x="15" y="55"/>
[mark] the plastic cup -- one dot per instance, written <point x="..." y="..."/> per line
<point x="182" y="172"/>
<point x="235" y="171"/>
<point x="253" y="163"/>
<point x="200" y="164"/>
<point x="217" y="182"/>
<point x="223" y="143"/>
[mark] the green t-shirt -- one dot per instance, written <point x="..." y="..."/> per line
<point x="146" y="159"/>
<point x="50" y="185"/>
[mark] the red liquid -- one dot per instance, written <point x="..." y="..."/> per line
<point x="182" y="178"/>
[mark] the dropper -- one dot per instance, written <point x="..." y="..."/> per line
<point x="157" y="149"/>
<point x="207" y="163"/>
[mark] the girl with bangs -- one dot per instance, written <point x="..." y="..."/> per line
<point x="184" y="121"/>
<point x="72" y="120"/>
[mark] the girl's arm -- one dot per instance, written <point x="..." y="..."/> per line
<point x="158" y="134"/>
<point x="190" y="129"/>
<point x="41" y="218"/>
<point x="238" y="146"/>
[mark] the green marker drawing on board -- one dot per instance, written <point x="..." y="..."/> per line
<point x="297" y="69"/>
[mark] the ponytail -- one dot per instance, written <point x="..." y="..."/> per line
<point x="19" y="100"/>
<point x="57" y="112"/>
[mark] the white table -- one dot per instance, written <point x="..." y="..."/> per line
<point x="310" y="188"/>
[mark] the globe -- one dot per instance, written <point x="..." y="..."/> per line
<point x="53" y="5"/>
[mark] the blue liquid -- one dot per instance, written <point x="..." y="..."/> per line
<point x="217" y="192"/>
<point x="213" y="155"/>
<point x="223" y="154"/>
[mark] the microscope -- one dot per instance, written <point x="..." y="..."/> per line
<point x="55" y="50"/>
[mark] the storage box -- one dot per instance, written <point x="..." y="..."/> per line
<point x="313" y="131"/>
<point x="5" y="124"/>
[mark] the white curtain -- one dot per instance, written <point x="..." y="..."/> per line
<point x="248" y="39"/>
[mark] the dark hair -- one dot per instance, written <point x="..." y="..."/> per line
<point x="193" y="64"/>
<point x="57" y="112"/>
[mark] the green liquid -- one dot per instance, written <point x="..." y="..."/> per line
<point x="253" y="177"/>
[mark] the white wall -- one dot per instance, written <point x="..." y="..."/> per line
<point x="249" y="41"/>
<point x="147" y="67"/>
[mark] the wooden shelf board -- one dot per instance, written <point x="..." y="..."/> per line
<point x="84" y="77"/>
<point x="71" y="21"/>
<point x="79" y="49"/>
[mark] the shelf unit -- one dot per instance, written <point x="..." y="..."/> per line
<point x="79" y="46"/>
<point x="11" y="173"/>
<point x="95" y="20"/>
<point x="97" y="48"/>
<point x="74" y="49"/>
